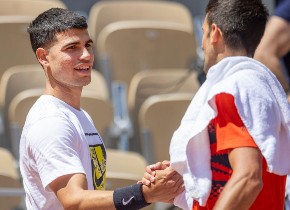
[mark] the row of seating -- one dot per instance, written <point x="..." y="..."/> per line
<point x="166" y="90"/>
<point x="132" y="37"/>
<point x="21" y="85"/>
<point x="129" y="36"/>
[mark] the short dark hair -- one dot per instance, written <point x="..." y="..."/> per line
<point x="43" y="29"/>
<point x="242" y="22"/>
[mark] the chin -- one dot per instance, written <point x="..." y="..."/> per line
<point x="205" y="69"/>
<point x="207" y="66"/>
<point x="86" y="83"/>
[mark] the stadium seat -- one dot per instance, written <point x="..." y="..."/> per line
<point x="163" y="81"/>
<point x="103" y="13"/>
<point x="159" y="117"/>
<point x="127" y="47"/>
<point x="28" y="7"/>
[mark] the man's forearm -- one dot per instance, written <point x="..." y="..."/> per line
<point x="239" y="193"/>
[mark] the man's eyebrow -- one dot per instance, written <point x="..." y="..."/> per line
<point x="90" y="41"/>
<point x="71" y="43"/>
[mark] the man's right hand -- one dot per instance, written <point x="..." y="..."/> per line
<point x="166" y="186"/>
<point x="150" y="171"/>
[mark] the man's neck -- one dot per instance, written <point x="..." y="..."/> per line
<point x="71" y="96"/>
<point x="230" y="53"/>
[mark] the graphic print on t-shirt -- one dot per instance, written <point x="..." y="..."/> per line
<point x="220" y="166"/>
<point x="98" y="161"/>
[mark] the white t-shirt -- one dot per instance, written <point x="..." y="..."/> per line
<point x="57" y="140"/>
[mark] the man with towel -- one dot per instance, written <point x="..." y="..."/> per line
<point x="233" y="143"/>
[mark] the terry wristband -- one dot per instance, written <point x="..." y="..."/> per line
<point x="129" y="198"/>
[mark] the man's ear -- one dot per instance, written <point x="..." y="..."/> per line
<point x="41" y="54"/>
<point x="216" y="34"/>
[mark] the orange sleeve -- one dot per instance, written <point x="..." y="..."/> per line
<point x="230" y="130"/>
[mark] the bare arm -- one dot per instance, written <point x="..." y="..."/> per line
<point x="246" y="181"/>
<point x="273" y="46"/>
<point x="71" y="190"/>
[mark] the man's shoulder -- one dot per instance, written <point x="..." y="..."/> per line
<point x="48" y="111"/>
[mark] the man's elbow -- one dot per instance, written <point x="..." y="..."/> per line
<point x="255" y="185"/>
<point x="73" y="203"/>
<point x="71" y="206"/>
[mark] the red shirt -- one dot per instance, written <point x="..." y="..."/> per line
<point x="227" y="131"/>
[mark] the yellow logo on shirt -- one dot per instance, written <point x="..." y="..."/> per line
<point x="98" y="160"/>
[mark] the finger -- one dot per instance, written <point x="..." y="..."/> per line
<point x="166" y="163"/>
<point x="160" y="165"/>
<point x="170" y="172"/>
<point x="176" y="176"/>
<point x="145" y="181"/>
<point x="148" y="179"/>
<point x="156" y="166"/>
<point x="166" y="174"/>
<point x="179" y="186"/>
<point x="175" y="182"/>
<point x="149" y="170"/>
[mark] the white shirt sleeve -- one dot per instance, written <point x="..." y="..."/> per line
<point x="54" y="145"/>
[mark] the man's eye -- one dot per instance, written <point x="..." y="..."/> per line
<point x="71" y="47"/>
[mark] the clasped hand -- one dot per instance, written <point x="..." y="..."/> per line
<point x="163" y="182"/>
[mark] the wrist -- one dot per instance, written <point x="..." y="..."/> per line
<point x="129" y="198"/>
<point x="146" y="194"/>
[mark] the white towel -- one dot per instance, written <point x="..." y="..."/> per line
<point x="263" y="108"/>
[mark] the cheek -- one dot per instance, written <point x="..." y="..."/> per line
<point x="202" y="43"/>
<point x="60" y="67"/>
<point x="60" y="57"/>
<point x="62" y="61"/>
<point x="66" y="62"/>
